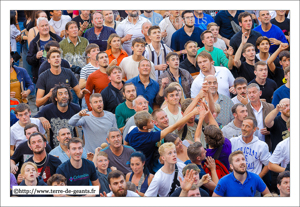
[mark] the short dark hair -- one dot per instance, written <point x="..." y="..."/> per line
<point x="193" y="151"/>
<point x="36" y="134"/>
<point x="154" y="112"/>
<point x="239" y="81"/>
<point x="284" y="53"/>
<point x="234" y="107"/>
<point x="75" y="140"/>
<point x="127" y="84"/>
<point x="29" y="126"/>
<point x="22" y="107"/>
<point x="169" y="89"/>
<point x="171" y="137"/>
<point x="188" y="42"/>
<point x="253" y="120"/>
<point x="246" y="46"/>
<point x="58" y="178"/>
<point x="259" y="63"/>
<point x="286" y="70"/>
<point x="203" y="33"/>
<point x="101" y="52"/>
<point x="213" y="136"/>
<point x="53" y="50"/>
<point x="284" y="174"/>
<point x="171" y="54"/>
<point x="185" y="104"/>
<point x="186" y="11"/>
<point x="69" y="23"/>
<point x="51" y="43"/>
<point x="260" y="39"/>
<point x="60" y="86"/>
<point x="153" y="28"/>
<point x="243" y="15"/>
<point x="138" y="40"/>
<point x="115" y="174"/>
<point x="90" y="47"/>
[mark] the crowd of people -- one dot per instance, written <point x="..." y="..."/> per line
<point x="150" y="103"/>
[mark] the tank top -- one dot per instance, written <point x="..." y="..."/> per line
<point x="144" y="186"/>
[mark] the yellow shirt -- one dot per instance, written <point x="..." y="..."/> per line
<point x="15" y="85"/>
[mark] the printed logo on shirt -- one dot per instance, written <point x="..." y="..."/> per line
<point x="26" y="157"/>
<point x="79" y="177"/>
<point x="218" y="187"/>
<point x="67" y="80"/>
<point x="248" y="152"/>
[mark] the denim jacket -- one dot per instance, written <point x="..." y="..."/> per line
<point x="22" y="75"/>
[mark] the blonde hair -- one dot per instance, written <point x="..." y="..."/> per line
<point x="165" y="146"/>
<point x="110" y="38"/>
<point x="142" y="118"/>
<point x="217" y="108"/>
<point x="28" y="163"/>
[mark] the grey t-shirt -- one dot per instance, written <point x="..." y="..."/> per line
<point x="230" y="130"/>
<point x="94" y="128"/>
<point x="121" y="162"/>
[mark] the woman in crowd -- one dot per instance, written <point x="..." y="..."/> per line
<point x="181" y="146"/>
<point x="114" y="50"/>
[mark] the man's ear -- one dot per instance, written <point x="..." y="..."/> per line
<point x="260" y="92"/>
<point x="109" y="187"/>
<point x="240" y="24"/>
<point x="255" y="72"/>
<point x="107" y="140"/>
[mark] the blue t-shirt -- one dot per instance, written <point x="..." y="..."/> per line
<point x="274" y="32"/>
<point x="202" y="23"/>
<point x="229" y="186"/>
<point x="149" y="93"/>
<point x="100" y="40"/>
<point x="42" y="47"/>
<point x="281" y="93"/>
<point x="81" y="176"/>
<point x="143" y="141"/>
<point x="155" y="19"/>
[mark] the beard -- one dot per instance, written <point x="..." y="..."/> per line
<point x="119" y="194"/>
<point x="148" y="11"/>
<point x="39" y="152"/>
<point x="133" y="14"/>
<point x="240" y="171"/>
<point x="189" y="26"/>
<point x="61" y="104"/>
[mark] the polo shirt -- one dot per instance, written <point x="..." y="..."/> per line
<point x="187" y="65"/>
<point x="217" y="55"/>
<point x="236" y="39"/>
<point x="229" y="186"/>
<point x="100" y="40"/>
<point x="267" y="89"/>
<point x="149" y="92"/>
<point x="202" y="23"/>
<point x="58" y="151"/>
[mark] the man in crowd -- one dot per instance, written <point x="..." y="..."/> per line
<point x="98" y="34"/>
<point x="130" y="28"/>
<point x="57" y="114"/>
<point x="17" y="135"/>
<point x="202" y="19"/>
<point x="282" y="22"/>
<point x="95" y="123"/>
<point x="240" y="86"/>
<point x="283" y="184"/>
<point x="284" y="90"/>
<point x="173" y="109"/>
<point x="145" y="28"/>
<point x="119" y="154"/>
<point x="153" y="17"/>
<point x="58" y="22"/>
<point x="109" y="19"/>
<point x="61" y="151"/>
<point x="160" y="120"/>
<point x="83" y="21"/>
<point x="190" y="63"/>
<point x="218" y="42"/>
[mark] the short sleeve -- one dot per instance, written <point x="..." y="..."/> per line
<point x="93" y="172"/>
<point x="261" y="186"/>
<point x="265" y="155"/>
<point x="155" y="136"/>
<point x="74" y="81"/>
<point x="41" y="82"/>
<point x="221" y="188"/>
<point x="277" y="156"/>
<point x="152" y="190"/>
<point x="59" y="170"/>
<point x="12" y="138"/>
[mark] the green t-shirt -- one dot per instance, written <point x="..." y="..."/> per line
<point x="217" y="55"/>
<point x="123" y="113"/>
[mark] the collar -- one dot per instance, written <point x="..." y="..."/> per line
<point x="171" y="74"/>
<point x="217" y="70"/>
<point x="78" y="40"/>
<point x="247" y="178"/>
<point x="139" y="80"/>
<point x="140" y="18"/>
<point x="152" y="48"/>
<point x="261" y="107"/>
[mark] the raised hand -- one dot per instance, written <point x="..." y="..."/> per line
<point x="210" y="163"/>
<point x="245" y="37"/>
<point x="164" y="82"/>
<point x="188" y="181"/>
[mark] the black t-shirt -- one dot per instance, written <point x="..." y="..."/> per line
<point x="23" y="153"/>
<point x="81" y="176"/>
<point x="277" y="131"/>
<point x="78" y="19"/>
<point x="246" y="71"/>
<point x="267" y="89"/>
<point x="284" y="26"/>
<point x="112" y="97"/>
<point x="187" y="65"/>
<point x="51" y="167"/>
<point x="58" y="119"/>
<point x="277" y="76"/>
<point x="47" y="80"/>
<point x="45" y="66"/>
<point x="177" y="192"/>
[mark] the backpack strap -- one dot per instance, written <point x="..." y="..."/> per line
<point x="185" y="129"/>
<point x="175" y="182"/>
<point x="218" y="152"/>
<point x="45" y="165"/>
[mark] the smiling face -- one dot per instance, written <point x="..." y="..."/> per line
<point x="102" y="162"/>
<point x="136" y="165"/>
<point x="239" y="164"/>
<point x="76" y="151"/>
<point x="247" y="128"/>
<point x="212" y="84"/>
<point x="162" y="120"/>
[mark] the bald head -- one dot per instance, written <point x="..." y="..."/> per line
<point x="140" y="104"/>
<point x="210" y="77"/>
<point x="285" y="107"/>
<point x="284" y="100"/>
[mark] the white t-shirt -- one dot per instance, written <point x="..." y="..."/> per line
<point x="281" y="154"/>
<point x="162" y="182"/>
<point x="220" y="44"/>
<point x="17" y="135"/>
<point x="224" y="77"/>
<point x="59" y="26"/>
<point x="129" y="194"/>
<point x="235" y="100"/>
<point x="256" y="152"/>
<point x="173" y="118"/>
<point x="130" y="68"/>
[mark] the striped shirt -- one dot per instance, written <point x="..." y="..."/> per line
<point x="87" y="70"/>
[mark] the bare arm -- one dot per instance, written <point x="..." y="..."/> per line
<point x="266" y="191"/>
<point x="40" y="98"/>
<point x="272" y="58"/>
<point x="215" y="195"/>
<point x="264" y="171"/>
<point x="82" y="83"/>
<point x="230" y="59"/>
<point x="275" y="167"/>
<point x="12" y="150"/>
<point x="269" y="120"/>
<point x="237" y="57"/>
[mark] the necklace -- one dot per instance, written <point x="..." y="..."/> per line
<point x="59" y="25"/>
<point x="39" y="165"/>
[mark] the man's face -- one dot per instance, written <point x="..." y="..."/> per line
<point x="138" y="48"/>
<point x="97" y="20"/>
<point x="162" y="120"/>
<point x="155" y="35"/>
<point x="194" y="193"/>
<point x="264" y="46"/>
<point x="97" y="104"/>
<point x="76" y="151"/>
<point x="108" y="16"/>
<point x="173" y="62"/>
<point x="30" y="131"/>
<point x="37" y="144"/>
<point x="72" y="30"/>
<point x="284" y="62"/>
<point x="150" y="124"/>
<point x="249" y="53"/>
<point x="208" y="39"/>
<point x="115" y="76"/>
<point x="204" y="64"/>
<point x="173" y="98"/>
<point x="43" y="27"/>
<point x="214" y="30"/>
<point x="175" y="13"/>
<point x="102" y="162"/>
<point x="189" y="19"/>
<point x="56" y="13"/>
<point x="62" y="97"/>
<point x="202" y="154"/>
<point x="118" y="186"/>
<point x="145" y="28"/>
<point x="93" y="53"/>
<point x="103" y="60"/>
<point x="254" y="94"/>
<point x="145" y="68"/>
<point x="85" y="13"/>
<point x="261" y="71"/>
<point x="286" y="110"/>
<point x="24" y="116"/>
<point x="247" y="128"/>
<point x="170" y="155"/>
<point x="141" y="104"/>
<point x="284" y="188"/>
<point x="239" y="164"/>
<point x="264" y="17"/>
<point x="246" y="23"/>
<point x="199" y="12"/>
<point x="54" y="59"/>
<point x="133" y="13"/>
<point x="130" y="93"/>
<point x="212" y="84"/>
<point x="115" y="139"/>
<point x="241" y="113"/>
<point x="241" y="90"/>
<point x="191" y="49"/>
<point x="30" y="174"/>
<point x="64" y="136"/>
<point x="280" y="12"/>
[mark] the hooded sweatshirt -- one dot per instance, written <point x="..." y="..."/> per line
<point x="230" y="131"/>
<point x="40" y="182"/>
<point x="256" y="152"/>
